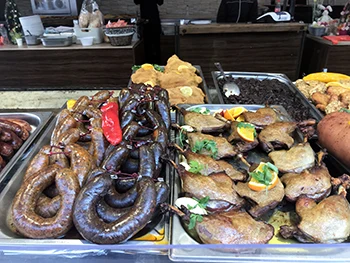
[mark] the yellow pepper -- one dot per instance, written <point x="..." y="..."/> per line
<point x="70" y="104"/>
<point x="326" y="77"/>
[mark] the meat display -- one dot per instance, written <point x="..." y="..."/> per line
<point x="102" y="169"/>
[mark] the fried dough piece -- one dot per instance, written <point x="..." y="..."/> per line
<point x="320" y="98"/>
<point x="345" y="97"/>
<point x="174" y="63"/>
<point x="335" y="90"/>
<point x="176" y="96"/>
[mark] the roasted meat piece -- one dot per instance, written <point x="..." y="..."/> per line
<point x="314" y="183"/>
<point x="261" y="202"/>
<point x="211" y="166"/>
<point x="261" y="118"/>
<point x="240" y="145"/>
<point x="345" y="97"/>
<point x="325" y="222"/>
<point x="233" y="227"/>
<point x="204" y="123"/>
<point x="294" y="160"/>
<point x="224" y="148"/>
<point x="219" y="187"/>
<point x="320" y="98"/>
<point x="277" y="135"/>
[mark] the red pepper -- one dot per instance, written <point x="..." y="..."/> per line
<point x="110" y="123"/>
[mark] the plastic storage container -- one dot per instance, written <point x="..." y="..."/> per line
<point x="96" y="33"/>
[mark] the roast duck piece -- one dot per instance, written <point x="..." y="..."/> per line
<point x="218" y="187"/>
<point x="13" y="133"/>
<point x="211" y="166"/>
<point x="279" y="135"/>
<point x="204" y="123"/>
<point x="233" y="227"/>
<point x="239" y="144"/>
<point x="294" y="160"/>
<point x="224" y="148"/>
<point x="261" y="118"/>
<point x="314" y="183"/>
<point x="325" y="222"/>
<point x="100" y="171"/>
<point x="263" y="201"/>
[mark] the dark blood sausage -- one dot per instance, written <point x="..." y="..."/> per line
<point x="126" y="118"/>
<point x="131" y="104"/>
<point x="30" y="224"/>
<point x="48" y="207"/>
<point x="164" y="111"/>
<point x="160" y="135"/>
<point x="134" y="153"/>
<point x="25" y="125"/>
<point x="124" y="95"/>
<point x="163" y="94"/>
<point x="97" y="147"/>
<point x="40" y="161"/>
<point x="124" y="184"/>
<point x="92" y="228"/>
<point x="108" y="213"/>
<point x="57" y="156"/>
<point x="158" y="151"/>
<point x="68" y="137"/>
<point x="162" y="192"/>
<point x="154" y="118"/>
<point x="94" y="173"/>
<point x="130" y="131"/>
<point x="130" y="166"/>
<point x="80" y="161"/>
<point x="116" y="158"/>
<point x="147" y="163"/>
<point x="118" y="200"/>
<point x="10" y="137"/>
<point x="6" y="150"/>
<point x="11" y="126"/>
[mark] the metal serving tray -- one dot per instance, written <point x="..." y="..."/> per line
<point x="37" y="120"/>
<point x="186" y="249"/>
<point x="316" y="114"/>
<point x="202" y="86"/>
<point x="9" y="241"/>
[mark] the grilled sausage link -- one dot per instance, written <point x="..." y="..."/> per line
<point x="29" y="223"/>
<point x="92" y="228"/>
<point x="40" y="161"/>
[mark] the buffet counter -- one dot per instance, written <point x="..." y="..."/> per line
<point x="39" y="67"/>
<point x="244" y="47"/>
<point x="320" y="53"/>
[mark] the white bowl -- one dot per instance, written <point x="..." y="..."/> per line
<point x="86" y="41"/>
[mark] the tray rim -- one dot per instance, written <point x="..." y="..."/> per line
<point x="45" y="117"/>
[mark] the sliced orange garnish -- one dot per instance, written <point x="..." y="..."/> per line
<point x="228" y="116"/>
<point x="246" y="131"/>
<point x="147" y="66"/>
<point x="256" y="186"/>
<point x="240" y="118"/>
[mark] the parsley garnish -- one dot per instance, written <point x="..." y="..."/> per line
<point x="209" y="145"/>
<point x="155" y="66"/>
<point x="247" y="126"/>
<point x="265" y="176"/>
<point x="344" y="110"/>
<point x="201" y="110"/>
<point x="194" y="218"/>
<point x="182" y="138"/>
<point x="196" y="167"/>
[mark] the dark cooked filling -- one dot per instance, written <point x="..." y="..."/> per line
<point x="271" y="92"/>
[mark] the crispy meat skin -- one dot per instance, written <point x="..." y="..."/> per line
<point x="233" y="227"/>
<point x="204" y="123"/>
<point x="295" y="160"/>
<point x="262" y="117"/>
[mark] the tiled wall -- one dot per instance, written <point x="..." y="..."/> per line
<point x="170" y="8"/>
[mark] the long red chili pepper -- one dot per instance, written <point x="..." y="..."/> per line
<point x="110" y="123"/>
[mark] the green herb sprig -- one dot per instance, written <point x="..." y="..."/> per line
<point x="200" y="110"/>
<point x="194" y="218"/>
<point x="196" y="167"/>
<point x="155" y="66"/>
<point x="209" y="145"/>
<point x="344" y="110"/>
<point x="265" y="176"/>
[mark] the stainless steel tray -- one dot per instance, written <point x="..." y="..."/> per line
<point x="57" y="41"/>
<point x="216" y="75"/>
<point x="37" y="120"/>
<point x="202" y="86"/>
<point x="9" y="241"/>
<point x="186" y="249"/>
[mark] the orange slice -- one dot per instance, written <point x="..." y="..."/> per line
<point x="247" y="132"/>
<point x="256" y="186"/>
<point x="147" y="66"/>
<point x="228" y="115"/>
<point x="181" y="67"/>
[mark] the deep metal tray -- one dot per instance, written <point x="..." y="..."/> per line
<point x="202" y="86"/>
<point x="186" y="249"/>
<point x="216" y="75"/>
<point x="37" y="120"/>
<point x="11" y="241"/>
